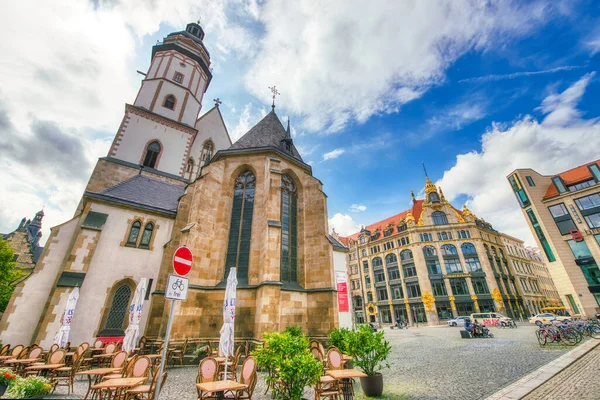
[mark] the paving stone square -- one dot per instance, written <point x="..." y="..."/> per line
<point x="425" y="363"/>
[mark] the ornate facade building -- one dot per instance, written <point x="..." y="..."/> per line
<point x="431" y="263"/>
<point x="172" y="179"/>
<point x="563" y="212"/>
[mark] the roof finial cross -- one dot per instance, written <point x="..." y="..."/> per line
<point x="217" y="102"/>
<point x="273" y="90"/>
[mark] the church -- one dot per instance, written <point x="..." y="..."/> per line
<point x="171" y="179"/>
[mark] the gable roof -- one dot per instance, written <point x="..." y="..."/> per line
<point x="336" y="245"/>
<point x="570" y="177"/>
<point x="268" y="133"/>
<point x="144" y="192"/>
<point x="416" y="210"/>
<point x="218" y="111"/>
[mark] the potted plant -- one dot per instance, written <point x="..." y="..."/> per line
<point x="28" y="388"/>
<point x="200" y="353"/>
<point x="370" y="351"/>
<point x="286" y="357"/>
<point x="6" y="378"/>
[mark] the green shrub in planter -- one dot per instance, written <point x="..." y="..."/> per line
<point x="24" y="388"/>
<point x="200" y="353"/>
<point x="339" y="339"/>
<point x="369" y="349"/>
<point x="290" y="364"/>
<point x="294" y="330"/>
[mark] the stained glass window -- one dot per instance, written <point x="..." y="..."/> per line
<point x="134" y="233"/>
<point x="289" y="227"/>
<point x="118" y="310"/>
<point x="240" y="229"/>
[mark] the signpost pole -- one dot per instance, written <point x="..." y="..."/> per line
<point x="164" y="352"/>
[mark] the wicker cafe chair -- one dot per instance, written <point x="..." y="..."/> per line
<point x="119" y="360"/>
<point x="23" y="353"/>
<point x="4" y="350"/>
<point x="140" y="368"/>
<point x="178" y="353"/>
<point x="146" y="392"/>
<point x="231" y="366"/>
<point x="65" y="376"/>
<point x="98" y="344"/>
<point x="207" y="372"/>
<point x="334" y="359"/>
<point x="35" y="352"/>
<point x="17" y="350"/>
<point x="248" y="376"/>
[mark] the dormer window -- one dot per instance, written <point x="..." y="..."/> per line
<point x="169" y="102"/>
<point x="178" y="77"/>
<point x="434" y="197"/>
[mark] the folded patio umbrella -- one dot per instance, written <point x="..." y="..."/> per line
<point x="62" y="336"/>
<point x="226" y="340"/>
<point x="135" y="315"/>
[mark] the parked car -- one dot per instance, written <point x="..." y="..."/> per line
<point x="458" y="321"/>
<point x="546" y="318"/>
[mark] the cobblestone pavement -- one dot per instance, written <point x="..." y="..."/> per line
<point x="426" y="363"/>
<point x="577" y="381"/>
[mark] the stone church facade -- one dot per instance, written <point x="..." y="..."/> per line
<point x="170" y="179"/>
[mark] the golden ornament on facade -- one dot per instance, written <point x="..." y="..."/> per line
<point x="474" y="297"/>
<point x="428" y="301"/>
<point x="497" y="296"/>
<point x="451" y="298"/>
<point x="429" y="186"/>
<point x="405" y="301"/>
<point x="371" y="310"/>
<point x="420" y="223"/>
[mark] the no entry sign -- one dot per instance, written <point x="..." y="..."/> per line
<point x="182" y="261"/>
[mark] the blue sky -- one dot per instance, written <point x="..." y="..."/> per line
<point x="473" y="89"/>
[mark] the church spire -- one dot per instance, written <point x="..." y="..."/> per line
<point x="288" y="133"/>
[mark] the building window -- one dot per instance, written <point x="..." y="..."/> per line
<point x="367" y="281"/>
<point x="390" y="260"/>
<point x="459" y="287"/>
<point x="364" y="252"/>
<point x="530" y="181"/>
<point x="377" y="262"/>
<point x="190" y="165"/>
<point x="434" y="197"/>
<point x="429" y="251"/>
<point x="519" y="191"/>
<point x="396" y="292"/>
<point x="409" y="271"/>
<point x="595" y="172"/>
<point x="464" y="235"/>
<point x="369" y="297"/>
<point x="433" y="267"/>
<point x="562" y="218"/>
<point x="178" y="77"/>
<point x="379" y="276"/>
<point x="444" y="310"/>
<point x="590" y="209"/>
<point x="439" y="288"/>
<point x="401" y="226"/>
<point x="289" y="237"/>
<point x="413" y="290"/>
<point x="426" y="237"/>
<point x="147" y="236"/>
<point x="240" y="229"/>
<point x="585" y="261"/>
<point x="540" y="234"/>
<point x="406" y="255"/>
<point x="480" y="286"/>
<point x="597" y="237"/>
<point x="393" y="273"/>
<point x="559" y="184"/>
<point x="169" y="102"/>
<point x="382" y="294"/>
<point x="385" y="316"/>
<point x="439" y="218"/>
<point x="473" y="264"/>
<point x="453" y="265"/>
<point x="468" y="248"/>
<point x="449" y="250"/>
<point x="365" y="265"/>
<point x="207" y="150"/>
<point x="134" y="232"/>
<point x="363" y="240"/>
<point x="115" y="321"/>
<point x="152" y="153"/>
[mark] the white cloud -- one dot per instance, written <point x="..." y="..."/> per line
<point x="499" y="77"/>
<point x="333" y="154"/>
<point x="551" y="146"/>
<point x="592" y="43"/>
<point x="356" y="208"/>
<point x="343" y="224"/>
<point x="246" y="120"/>
<point x="344" y="61"/>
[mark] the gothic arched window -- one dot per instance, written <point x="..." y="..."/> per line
<point x="207" y="149"/>
<point x="119" y="306"/>
<point x="439" y="218"/>
<point x="406" y="255"/>
<point x="289" y="227"/>
<point x="147" y="236"/>
<point x="377" y="262"/>
<point x="240" y="229"/>
<point x="449" y="250"/>
<point x="152" y="153"/>
<point x="169" y="102"/>
<point x="429" y="251"/>
<point x="134" y="232"/>
<point x="190" y="165"/>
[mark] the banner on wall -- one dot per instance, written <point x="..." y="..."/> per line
<point x="342" y="288"/>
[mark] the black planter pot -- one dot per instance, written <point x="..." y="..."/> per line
<point x="2" y="389"/>
<point x="372" y="385"/>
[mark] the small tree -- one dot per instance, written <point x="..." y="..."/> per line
<point x="339" y="338"/>
<point x="9" y="274"/>
<point x="369" y="349"/>
<point x="290" y="364"/>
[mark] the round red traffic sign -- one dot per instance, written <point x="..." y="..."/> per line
<point x="182" y="261"/>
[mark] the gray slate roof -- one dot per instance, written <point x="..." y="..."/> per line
<point x="269" y="132"/>
<point x="336" y="245"/>
<point x="146" y="191"/>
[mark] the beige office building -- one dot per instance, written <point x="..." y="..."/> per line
<point x="532" y="276"/>
<point x="563" y="211"/>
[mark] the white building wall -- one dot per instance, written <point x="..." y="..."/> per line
<point x="112" y="263"/>
<point x="210" y="126"/>
<point x="140" y="131"/>
<point x="339" y="267"/>
<point x="36" y="289"/>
